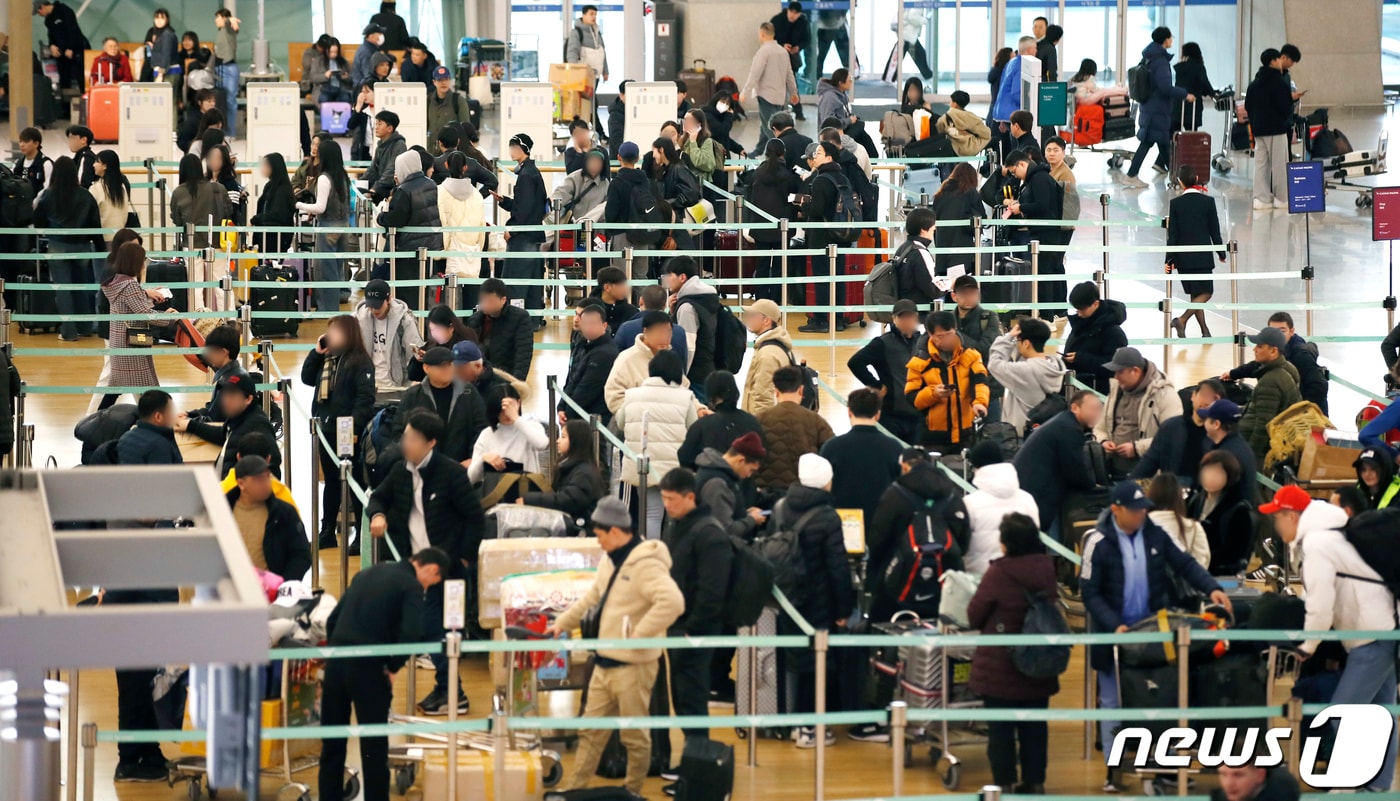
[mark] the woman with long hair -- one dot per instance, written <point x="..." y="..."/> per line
<point x="445" y="328"/>
<point x="104" y="307"/>
<point x="335" y="86"/>
<point x="221" y="168"/>
<point x="773" y="183"/>
<point x="124" y="293"/>
<point x="191" y="56"/>
<point x="1165" y="494"/>
<point x="460" y="205"/>
<point x="912" y="98"/>
<point x="213" y="120"/>
<point x="65" y="204"/>
<point x="577" y="484"/>
<point x="276" y="206"/>
<point x="677" y="185"/>
<point x="1221" y="503"/>
<point x="957" y="202"/>
<point x="304" y="181"/>
<point x="341" y="373"/>
<point x="1191" y="75"/>
<point x="999" y="62"/>
<point x="112" y="191"/>
<point x="195" y="201"/>
<point x="703" y="155"/>
<point x="330" y="209"/>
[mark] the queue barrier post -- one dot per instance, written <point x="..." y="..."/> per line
<point x="70" y="769"/>
<point x="977" y="240"/>
<point x="643" y="467"/>
<point x="1308" y="274"/>
<point x="1241" y="342"/>
<point x="245" y="321"/>
<point x="1090" y="701"/>
<point x="923" y="199"/>
<point x="150" y="194"/>
<point x="1293" y="713"/>
<point x="265" y="352"/>
<point x="990" y="792"/>
<point x="899" y="720"/>
<point x="164" y="216"/>
<point x="821" y="644"/>
<point x="1035" y="277"/>
<point x="587" y="234"/>
<point x="422" y="288"/>
<point x="783" y="261"/>
<point x="454" y="655"/>
<point x="751" y="656"/>
<point x="89" y="746"/>
<point x="627" y="258"/>
<point x="1183" y="678"/>
<point x="284" y="386"/>
<point x="739" y="250"/>
<point x="1388" y="304"/>
<point x="595" y="423"/>
<point x="20" y="458"/>
<point x="1165" y="305"/>
<point x="451" y="290"/>
<point x="552" y="386"/>
<point x="315" y="452"/>
<point x="500" y="743"/>
<point x="343" y="528"/>
<point x="1232" y="249"/>
<point x="410" y="697"/>
<point x="831" y="316"/>
<point x="1103" y="206"/>
<point x="4" y="320"/>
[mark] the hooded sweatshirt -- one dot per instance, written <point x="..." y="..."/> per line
<point x="1335" y="601"/>
<point x="1093" y="340"/>
<point x="832" y="102"/>
<point x="1026" y="381"/>
<point x="1388" y="486"/>
<point x="998" y="494"/>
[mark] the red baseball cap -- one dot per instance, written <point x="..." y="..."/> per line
<point x="1290" y="497"/>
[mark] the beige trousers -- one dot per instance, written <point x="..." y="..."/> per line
<point x="623" y="691"/>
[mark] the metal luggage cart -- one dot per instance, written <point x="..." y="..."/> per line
<point x="1225" y="101"/>
<point x="1116" y="155"/>
<point x="929" y="675"/>
<point x="405" y="758"/>
<point x="1279" y="670"/>
<point x="194" y="769"/>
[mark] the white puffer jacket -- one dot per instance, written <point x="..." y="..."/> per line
<point x="669" y="410"/>
<point x="460" y="206"/>
<point x="1193" y="540"/>
<point x="998" y="494"/>
<point x="1335" y="601"/>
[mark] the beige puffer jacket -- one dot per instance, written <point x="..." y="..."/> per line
<point x="642" y="604"/>
<point x="669" y="411"/>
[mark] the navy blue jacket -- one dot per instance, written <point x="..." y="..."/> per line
<point x="148" y="444"/>
<point x="1155" y="116"/>
<point x="1102" y="578"/>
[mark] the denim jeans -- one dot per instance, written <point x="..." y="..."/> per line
<point x="1369" y="678"/>
<point x="228" y="81"/>
<point x="328" y="298"/>
<point x="74" y="301"/>
<point x="1108" y="699"/>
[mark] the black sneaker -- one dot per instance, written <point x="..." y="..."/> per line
<point x="869" y="733"/>
<point x="148" y="772"/>
<point x="671" y="774"/>
<point x="435" y="704"/>
<point x="327" y="541"/>
<point x="354" y="549"/>
<point x="814" y="328"/>
<point x="670" y="790"/>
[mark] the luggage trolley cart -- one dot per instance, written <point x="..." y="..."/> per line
<point x="1119" y="125"/>
<point x="1339" y="170"/>
<point x="300" y="696"/>
<point x="407" y="759"/>
<point x="929" y="675"/>
<point x="1225" y="102"/>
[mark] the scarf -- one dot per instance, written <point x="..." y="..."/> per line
<point x="328" y="368"/>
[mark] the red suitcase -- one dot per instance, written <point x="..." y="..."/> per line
<point x="727" y="267"/>
<point x="102" y="115"/>
<point x="1191" y="149"/>
<point x="862" y="264"/>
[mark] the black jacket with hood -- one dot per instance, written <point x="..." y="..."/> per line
<point x="618" y="208"/>
<point x="1093" y="340"/>
<point x="892" y="520"/>
<point x="380" y="175"/>
<point x="1269" y="103"/>
<point x="701" y="554"/>
<point x="828" y="592"/>
<point x="722" y="491"/>
<point x="531" y="200"/>
<point x="773" y="183"/>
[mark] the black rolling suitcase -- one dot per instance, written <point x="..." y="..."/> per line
<point x="273" y="299"/>
<point x="163" y="273"/>
<point x="37" y="302"/>
<point x="1008" y="293"/>
<point x="706" y="771"/>
<point x="1149" y="688"/>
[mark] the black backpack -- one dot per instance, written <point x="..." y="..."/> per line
<point x="1041" y="661"/>
<point x="1372" y="534"/>
<point x="783" y="550"/>
<point x="750" y="586"/>
<point x="647" y="206"/>
<point x="811" y="396"/>
<point x="1049" y="406"/>
<point x="16" y="198"/>
<point x="847" y="209"/>
<point x="731" y="340"/>
<point x="912" y="577"/>
<point x="1140" y="86"/>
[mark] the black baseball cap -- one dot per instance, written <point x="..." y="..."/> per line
<point x="905" y="306"/>
<point x="250" y="466"/>
<point x="437" y="355"/>
<point x="964" y="282"/>
<point x="372" y="29"/>
<point x="376" y="293"/>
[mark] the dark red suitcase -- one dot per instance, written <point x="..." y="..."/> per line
<point x="727" y="267"/>
<point x="1191" y="148"/>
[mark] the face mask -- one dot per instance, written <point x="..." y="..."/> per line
<point x="722" y="107"/>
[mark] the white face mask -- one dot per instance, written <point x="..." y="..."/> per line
<point x="722" y="107"/>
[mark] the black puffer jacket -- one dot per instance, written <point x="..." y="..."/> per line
<point x="701" y="555"/>
<point x="577" y="489"/>
<point x="465" y="419"/>
<point x="511" y="343"/>
<point x="828" y="593"/>
<point x="717" y="430"/>
<point x="892" y="520"/>
<point x="1269" y="102"/>
<point x="1093" y="340"/>
<point x="351" y="393"/>
<point x="618" y="208"/>
<point x="1042" y="198"/>
<point x="773" y="183"/>
<point x="527" y="206"/>
<point x="414" y="204"/>
<point x="588" y="372"/>
<point x="679" y="187"/>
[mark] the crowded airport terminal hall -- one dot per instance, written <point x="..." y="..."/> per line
<point x="718" y="400"/>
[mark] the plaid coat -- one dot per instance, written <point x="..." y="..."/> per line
<point x="126" y="296"/>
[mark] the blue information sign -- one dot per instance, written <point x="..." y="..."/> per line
<point x="1306" y="187"/>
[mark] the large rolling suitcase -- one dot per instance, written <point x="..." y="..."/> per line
<point x="921" y="182"/>
<point x="37" y="302"/>
<point x="1191" y="149"/>
<point x="732" y="267"/>
<point x="102" y="116"/>
<point x="164" y="273"/>
<point x="768" y="683"/>
<point x="706" y="771"/>
<point x="273" y="299"/>
<point x="1007" y="293"/>
<point x="699" y="83"/>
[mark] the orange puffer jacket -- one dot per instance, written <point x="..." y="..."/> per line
<point x="947" y="420"/>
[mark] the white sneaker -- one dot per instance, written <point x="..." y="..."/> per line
<point x="423" y="662"/>
<point x="1280" y="204"/>
<point x="1262" y="205"/>
<point x="1134" y="182"/>
<point x="806" y="737"/>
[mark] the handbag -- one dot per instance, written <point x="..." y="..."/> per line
<point x="591" y="623"/>
<point x="140" y="334"/>
<point x="133" y="220"/>
<point x="669" y="243"/>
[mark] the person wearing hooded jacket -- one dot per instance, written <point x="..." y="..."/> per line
<point x="720" y="477"/>
<point x="998" y="494"/>
<point x="1269" y="103"/>
<point x="834" y="102"/>
<point x="772" y="351"/>
<point x="1155" y="113"/>
<point x="1344" y="593"/>
<point x="921" y="481"/>
<point x="725" y="423"/>
<point x="526" y="207"/>
<point x="1019" y="363"/>
<point x="360" y="67"/>
<point x="585" y="189"/>
<point x="881" y="365"/>
<point x="383" y="167"/>
<point x="1376" y="479"/>
<point x="414" y="203"/>
<point x="828" y="596"/>
<point x="1041" y="198"/>
<point x="1095" y="334"/>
